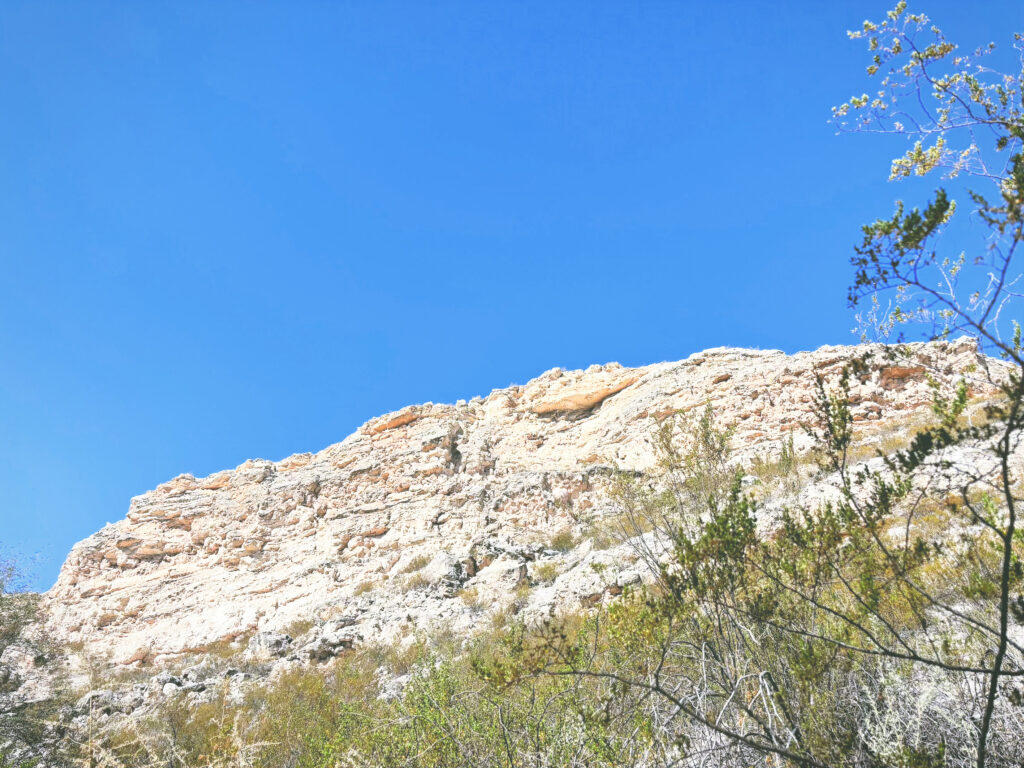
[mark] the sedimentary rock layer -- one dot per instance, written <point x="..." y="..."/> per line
<point x="387" y="525"/>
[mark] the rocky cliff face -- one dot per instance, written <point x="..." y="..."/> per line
<point x="433" y="516"/>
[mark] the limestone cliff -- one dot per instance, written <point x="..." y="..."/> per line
<point x="389" y="530"/>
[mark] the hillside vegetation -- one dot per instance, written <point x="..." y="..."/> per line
<point x="858" y="630"/>
<point x="842" y="590"/>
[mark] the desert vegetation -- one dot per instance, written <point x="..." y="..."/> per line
<point x="858" y="604"/>
<point x="860" y="632"/>
<point x="28" y="719"/>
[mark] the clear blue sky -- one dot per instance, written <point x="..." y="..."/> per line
<point x="234" y="230"/>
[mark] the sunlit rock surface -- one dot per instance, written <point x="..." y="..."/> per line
<point x="433" y="516"/>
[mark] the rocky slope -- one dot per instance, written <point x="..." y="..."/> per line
<point x="433" y="516"/>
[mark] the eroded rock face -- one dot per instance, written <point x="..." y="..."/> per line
<point x="434" y="515"/>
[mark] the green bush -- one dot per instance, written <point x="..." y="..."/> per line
<point x="562" y="541"/>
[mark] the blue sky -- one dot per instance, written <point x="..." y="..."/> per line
<point x="234" y="230"/>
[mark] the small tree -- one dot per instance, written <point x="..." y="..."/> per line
<point x="881" y="628"/>
<point x="966" y="119"/>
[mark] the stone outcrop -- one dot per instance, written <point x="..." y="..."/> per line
<point x="436" y="515"/>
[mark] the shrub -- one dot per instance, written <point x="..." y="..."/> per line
<point x="417" y="563"/>
<point x="298" y="627"/>
<point x="416" y="580"/>
<point x="471" y="597"/>
<point x="363" y="587"/>
<point x="563" y="540"/>
<point x="544" y="573"/>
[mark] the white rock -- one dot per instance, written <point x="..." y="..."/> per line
<point x="479" y="488"/>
